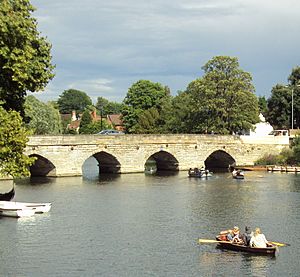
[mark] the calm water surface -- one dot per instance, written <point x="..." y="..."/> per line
<point x="138" y="225"/>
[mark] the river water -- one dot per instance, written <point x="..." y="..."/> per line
<point x="148" y="225"/>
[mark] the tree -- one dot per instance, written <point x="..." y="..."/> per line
<point x="73" y="100"/>
<point x="223" y="100"/>
<point x="85" y="122"/>
<point x="44" y="118"/>
<point x="13" y="139"/>
<point x="25" y="60"/>
<point x="279" y="107"/>
<point x="263" y="105"/>
<point x="106" y="107"/>
<point x="141" y="96"/>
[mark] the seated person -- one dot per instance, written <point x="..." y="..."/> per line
<point x="259" y="240"/>
<point x="237" y="238"/>
<point x="247" y="236"/>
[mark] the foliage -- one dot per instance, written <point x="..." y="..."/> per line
<point x="223" y="100"/>
<point x="13" y="139"/>
<point x="279" y="107"/>
<point x="106" y="107"/>
<point x="25" y="60"/>
<point x="280" y="103"/>
<point x="73" y="100"/>
<point x="44" y="118"/>
<point x="90" y="126"/>
<point x="178" y="116"/>
<point x="141" y="96"/>
<point x="288" y="156"/>
<point x="263" y="105"/>
<point x="86" y="120"/>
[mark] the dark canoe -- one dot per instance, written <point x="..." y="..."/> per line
<point x="8" y="195"/>
<point x="271" y="250"/>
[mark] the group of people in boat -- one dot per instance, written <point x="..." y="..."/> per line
<point x="249" y="238"/>
<point x="196" y="170"/>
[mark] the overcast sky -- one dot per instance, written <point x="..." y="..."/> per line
<point x="103" y="46"/>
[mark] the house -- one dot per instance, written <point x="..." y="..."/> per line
<point x="116" y="121"/>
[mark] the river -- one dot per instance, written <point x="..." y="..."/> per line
<point x="149" y="225"/>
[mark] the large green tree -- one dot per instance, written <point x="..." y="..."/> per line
<point x="223" y="100"/>
<point x="73" y="99"/>
<point x="280" y="103"/>
<point x="25" y="59"/>
<point x="13" y="139"/>
<point x="44" y="118"/>
<point x="279" y="107"/>
<point x="141" y="96"/>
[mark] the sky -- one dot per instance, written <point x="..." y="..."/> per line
<point x="102" y="47"/>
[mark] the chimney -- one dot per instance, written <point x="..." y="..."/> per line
<point x="94" y="115"/>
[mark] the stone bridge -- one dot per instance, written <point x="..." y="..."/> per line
<point x="65" y="155"/>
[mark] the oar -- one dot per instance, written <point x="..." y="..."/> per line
<point x="279" y="243"/>
<point x="211" y="241"/>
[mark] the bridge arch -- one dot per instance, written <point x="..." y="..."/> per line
<point x="164" y="161"/>
<point x="42" y="167"/>
<point x="106" y="163"/>
<point x="219" y="159"/>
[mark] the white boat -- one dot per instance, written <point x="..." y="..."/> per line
<point x="238" y="174"/>
<point x="11" y="209"/>
<point x="37" y="207"/>
<point x="21" y="209"/>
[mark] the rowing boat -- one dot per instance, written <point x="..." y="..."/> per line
<point x="270" y="250"/>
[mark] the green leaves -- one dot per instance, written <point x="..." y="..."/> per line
<point x="73" y="99"/>
<point x="25" y="59"/>
<point x="13" y="139"/>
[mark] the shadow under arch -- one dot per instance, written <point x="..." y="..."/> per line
<point x="164" y="161"/>
<point x="42" y="167"/>
<point x="219" y="160"/>
<point x="107" y="163"/>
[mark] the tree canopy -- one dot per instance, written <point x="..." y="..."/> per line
<point x="223" y="100"/>
<point x="73" y="99"/>
<point x="43" y="118"/>
<point x="280" y="103"/>
<point x="141" y="96"/>
<point x="25" y="59"/>
<point x="13" y="139"/>
<point x="106" y="107"/>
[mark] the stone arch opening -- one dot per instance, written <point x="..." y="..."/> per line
<point x="162" y="161"/>
<point x="101" y="163"/>
<point x="219" y="160"/>
<point x="42" y="167"/>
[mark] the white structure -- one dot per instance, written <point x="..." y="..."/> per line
<point x="262" y="128"/>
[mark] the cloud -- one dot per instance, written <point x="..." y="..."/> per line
<point x="123" y="41"/>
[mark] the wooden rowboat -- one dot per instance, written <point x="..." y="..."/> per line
<point x="271" y="250"/>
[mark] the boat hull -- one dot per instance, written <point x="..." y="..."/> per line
<point x="243" y="248"/>
<point x="22" y="209"/>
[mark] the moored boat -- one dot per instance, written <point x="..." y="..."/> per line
<point x="11" y="209"/>
<point x="20" y="209"/>
<point x="8" y="195"/>
<point x="270" y="250"/>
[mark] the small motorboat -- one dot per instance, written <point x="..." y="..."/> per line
<point x="270" y="250"/>
<point x="202" y="173"/>
<point x="238" y="174"/>
<point x="8" y="195"/>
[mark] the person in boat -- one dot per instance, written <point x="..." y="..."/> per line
<point x="232" y="235"/>
<point x="237" y="237"/>
<point x="258" y="239"/>
<point x="247" y="236"/>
